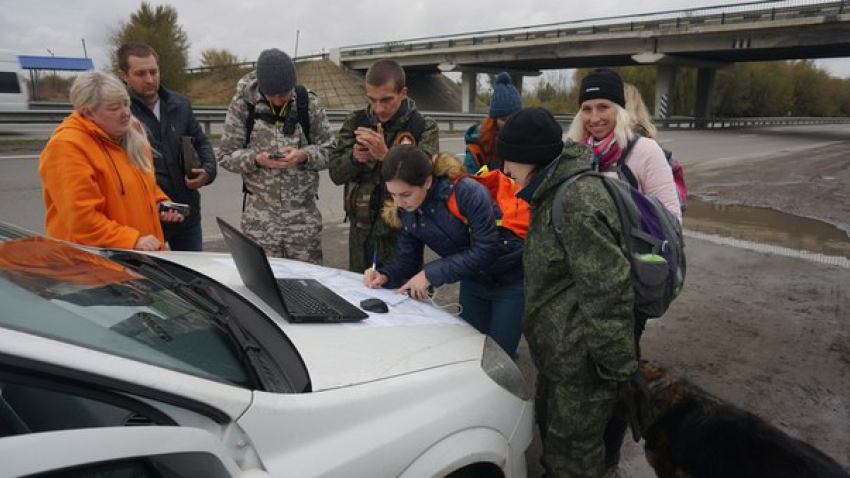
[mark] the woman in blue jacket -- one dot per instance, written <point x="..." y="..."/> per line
<point x="486" y="259"/>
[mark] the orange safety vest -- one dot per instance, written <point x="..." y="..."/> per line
<point x="515" y="212"/>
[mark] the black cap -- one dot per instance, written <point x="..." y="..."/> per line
<point x="602" y="83"/>
<point x="530" y="136"/>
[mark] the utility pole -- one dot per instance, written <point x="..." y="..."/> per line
<point x="297" y="34"/>
<point x="54" y="56"/>
<point x="85" y="53"/>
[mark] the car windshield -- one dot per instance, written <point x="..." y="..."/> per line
<point x="59" y="291"/>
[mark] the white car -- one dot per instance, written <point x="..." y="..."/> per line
<point x="117" y="363"/>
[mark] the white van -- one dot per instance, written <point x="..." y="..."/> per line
<point x="13" y="88"/>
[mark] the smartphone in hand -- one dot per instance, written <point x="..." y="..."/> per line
<point x="181" y="208"/>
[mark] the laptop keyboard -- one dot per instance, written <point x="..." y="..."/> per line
<point x="301" y="301"/>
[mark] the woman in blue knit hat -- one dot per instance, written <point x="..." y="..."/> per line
<point x="480" y="138"/>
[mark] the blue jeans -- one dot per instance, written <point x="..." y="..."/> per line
<point x="185" y="238"/>
<point x="495" y="311"/>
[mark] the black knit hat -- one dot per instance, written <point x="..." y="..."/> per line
<point x="602" y="83"/>
<point x="530" y="136"/>
<point x="275" y="72"/>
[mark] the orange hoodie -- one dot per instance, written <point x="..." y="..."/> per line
<point x="92" y="192"/>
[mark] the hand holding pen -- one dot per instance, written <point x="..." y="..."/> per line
<point x="371" y="277"/>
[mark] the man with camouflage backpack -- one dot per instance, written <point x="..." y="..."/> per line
<point x="362" y="144"/>
<point x="279" y="152"/>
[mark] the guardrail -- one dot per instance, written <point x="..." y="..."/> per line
<point x="455" y="122"/>
<point x="448" y="121"/>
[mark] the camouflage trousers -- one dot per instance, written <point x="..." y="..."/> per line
<point x="291" y="233"/>
<point x="361" y="249"/>
<point x="572" y="415"/>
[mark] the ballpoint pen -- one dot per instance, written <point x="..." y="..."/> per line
<point x="375" y="260"/>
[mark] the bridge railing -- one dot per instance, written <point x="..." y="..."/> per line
<point x="450" y="121"/>
<point x="749" y="12"/>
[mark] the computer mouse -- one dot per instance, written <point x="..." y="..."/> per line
<point x="374" y="305"/>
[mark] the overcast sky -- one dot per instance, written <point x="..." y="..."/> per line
<point x="246" y="27"/>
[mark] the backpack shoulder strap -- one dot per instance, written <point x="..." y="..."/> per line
<point x="558" y="205"/>
<point x="416" y="125"/>
<point x="249" y="127"/>
<point x="249" y="124"/>
<point x="623" y="170"/>
<point x="302" y="103"/>
<point x="451" y="201"/>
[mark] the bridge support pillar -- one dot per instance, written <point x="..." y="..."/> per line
<point x="705" y="86"/>
<point x="468" y="87"/>
<point x="665" y="87"/>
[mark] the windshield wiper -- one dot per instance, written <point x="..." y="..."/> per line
<point x="192" y="290"/>
<point x="208" y="299"/>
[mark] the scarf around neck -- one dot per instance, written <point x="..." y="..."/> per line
<point x="606" y="151"/>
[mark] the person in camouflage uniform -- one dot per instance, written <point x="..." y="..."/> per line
<point x="579" y="319"/>
<point x="362" y="144"/>
<point x="278" y="163"/>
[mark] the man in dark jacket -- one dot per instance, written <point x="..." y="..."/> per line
<point x="168" y="117"/>
<point x="362" y="144"/>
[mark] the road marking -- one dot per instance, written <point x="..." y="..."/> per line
<point x="771" y="249"/>
<point x="25" y="156"/>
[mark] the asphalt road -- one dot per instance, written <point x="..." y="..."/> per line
<point x="21" y="203"/>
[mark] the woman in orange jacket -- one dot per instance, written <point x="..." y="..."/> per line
<point x="97" y="174"/>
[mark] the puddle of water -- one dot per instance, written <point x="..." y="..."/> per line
<point x="767" y="226"/>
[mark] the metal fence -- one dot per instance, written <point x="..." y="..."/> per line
<point x="449" y="121"/>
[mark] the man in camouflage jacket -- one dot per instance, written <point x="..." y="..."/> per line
<point x="362" y="143"/>
<point x="579" y="319"/>
<point x="278" y="163"/>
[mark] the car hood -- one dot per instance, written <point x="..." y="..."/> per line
<point x="413" y="336"/>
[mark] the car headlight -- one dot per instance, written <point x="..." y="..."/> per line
<point x="502" y="370"/>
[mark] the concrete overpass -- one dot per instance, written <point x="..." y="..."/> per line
<point x="705" y="38"/>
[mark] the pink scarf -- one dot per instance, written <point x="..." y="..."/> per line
<point x="606" y="152"/>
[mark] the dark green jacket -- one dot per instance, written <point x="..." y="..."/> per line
<point x="578" y="300"/>
<point x="362" y="180"/>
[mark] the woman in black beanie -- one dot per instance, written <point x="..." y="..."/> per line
<point x="603" y="123"/>
<point x="579" y="316"/>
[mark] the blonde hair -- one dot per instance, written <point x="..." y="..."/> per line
<point x="92" y="88"/>
<point x="622" y="130"/>
<point x="639" y="118"/>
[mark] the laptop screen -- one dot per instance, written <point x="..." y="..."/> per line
<point x="253" y="266"/>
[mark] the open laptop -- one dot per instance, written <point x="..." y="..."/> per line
<point x="298" y="300"/>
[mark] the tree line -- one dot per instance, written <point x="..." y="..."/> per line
<point x="759" y="89"/>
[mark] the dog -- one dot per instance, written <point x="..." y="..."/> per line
<point x="689" y="433"/>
